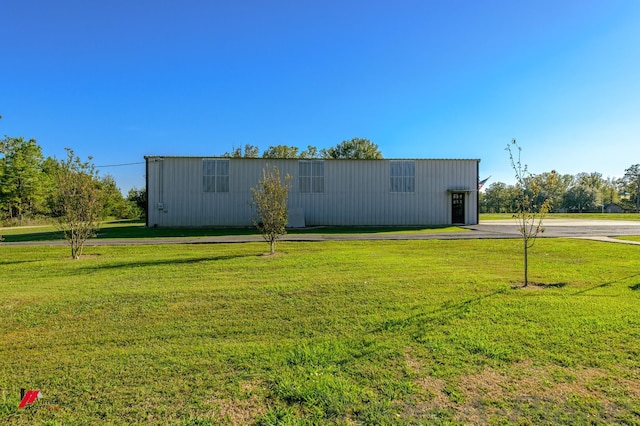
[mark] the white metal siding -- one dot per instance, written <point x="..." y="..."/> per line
<point x="356" y="192"/>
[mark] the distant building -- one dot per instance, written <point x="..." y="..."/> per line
<point x="612" y="208"/>
<point x="212" y="191"/>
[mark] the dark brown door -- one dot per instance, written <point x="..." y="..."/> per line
<point x="457" y="207"/>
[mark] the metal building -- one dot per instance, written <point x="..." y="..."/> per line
<point x="212" y="191"/>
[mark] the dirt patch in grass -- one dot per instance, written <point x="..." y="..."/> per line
<point x="513" y="393"/>
<point x="433" y="390"/>
<point x="241" y="411"/>
<point x="411" y="361"/>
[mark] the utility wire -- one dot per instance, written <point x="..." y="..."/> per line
<point x="120" y="165"/>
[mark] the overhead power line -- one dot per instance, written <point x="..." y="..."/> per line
<point x="120" y="165"/>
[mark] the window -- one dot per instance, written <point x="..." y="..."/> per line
<point x="215" y="175"/>
<point x="403" y="176"/>
<point x="311" y="176"/>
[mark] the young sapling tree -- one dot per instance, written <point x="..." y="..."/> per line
<point x="270" y="204"/>
<point x="531" y="208"/>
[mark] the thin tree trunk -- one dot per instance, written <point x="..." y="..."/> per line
<point x="526" y="262"/>
<point x="76" y="247"/>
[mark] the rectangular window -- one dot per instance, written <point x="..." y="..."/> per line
<point x="311" y="176"/>
<point x="403" y="176"/>
<point x="215" y="175"/>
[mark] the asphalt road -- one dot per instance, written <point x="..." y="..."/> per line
<point x="568" y="228"/>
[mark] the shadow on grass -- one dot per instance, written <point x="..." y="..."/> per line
<point x="138" y="230"/>
<point x="34" y="236"/>
<point x="16" y="262"/>
<point x="607" y="284"/>
<point x="193" y="261"/>
<point x="538" y="286"/>
<point x="443" y="314"/>
<point x="131" y="233"/>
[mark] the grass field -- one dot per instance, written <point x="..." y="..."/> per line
<point x="137" y="230"/>
<point x="388" y="332"/>
<point x="629" y="237"/>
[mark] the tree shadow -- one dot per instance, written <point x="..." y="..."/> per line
<point x="16" y="262"/>
<point x="441" y="315"/>
<point x="607" y="284"/>
<point x="137" y="230"/>
<point x="34" y="236"/>
<point x="537" y="286"/>
<point x="192" y="261"/>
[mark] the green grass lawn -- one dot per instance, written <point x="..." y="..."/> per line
<point x="385" y="332"/>
<point x="629" y="237"/>
<point x="138" y="230"/>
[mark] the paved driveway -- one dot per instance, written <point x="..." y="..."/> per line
<point x="575" y="228"/>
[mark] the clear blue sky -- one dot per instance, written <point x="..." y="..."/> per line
<point x="121" y="79"/>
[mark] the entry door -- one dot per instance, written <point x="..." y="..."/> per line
<point x="457" y="207"/>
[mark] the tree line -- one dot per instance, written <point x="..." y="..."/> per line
<point x="354" y="149"/>
<point x="31" y="185"/>
<point x="583" y="192"/>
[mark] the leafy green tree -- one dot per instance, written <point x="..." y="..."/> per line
<point x="631" y="184"/>
<point x="310" y="153"/>
<point x="529" y="212"/>
<point x="4" y="205"/>
<point x="610" y="192"/>
<point x="281" y="151"/>
<point x="115" y="205"/>
<point x="21" y="189"/>
<point x="593" y="179"/>
<point x="138" y="199"/>
<point x="581" y="197"/>
<point x="78" y="201"/>
<point x="356" y="149"/>
<point x="498" y="198"/>
<point x="50" y="167"/>
<point x="270" y="204"/>
<point x="250" y="151"/>
<point x="553" y="187"/>
<point x="585" y="194"/>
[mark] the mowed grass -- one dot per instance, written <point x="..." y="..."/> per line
<point x="385" y="332"/>
<point x="629" y="237"/>
<point x="137" y="230"/>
